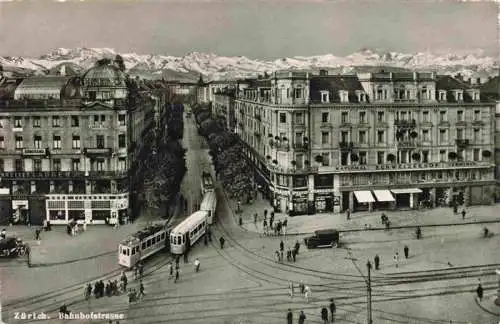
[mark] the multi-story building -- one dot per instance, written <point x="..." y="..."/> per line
<point x="491" y="90"/>
<point x="371" y="140"/>
<point x="67" y="144"/>
<point x="223" y="107"/>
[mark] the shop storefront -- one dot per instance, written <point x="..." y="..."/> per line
<point x="363" y="200"/>
<point x="323" y="202"/>
<point x="20" y="212"/>
<point x="385" y="200"/>
<point x="406" y="198"/>
<point x="299" y="205"/>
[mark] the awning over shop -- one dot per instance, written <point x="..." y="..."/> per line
<point x="364" y="196"/>
<point x="406" y="191"/>
<point x="383" y="195"/>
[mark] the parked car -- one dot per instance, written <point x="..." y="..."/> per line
<point x="12" y="246"/>
<point x="323" y="238"/>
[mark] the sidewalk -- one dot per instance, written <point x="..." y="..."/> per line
<point x="359" y="220"/>
<point x="57" y="247"/>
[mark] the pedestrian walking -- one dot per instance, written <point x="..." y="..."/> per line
<point x="176" y="276"/>
<point x="209" y="232"/>
<point x="302" y="288"/>
<point x="289" y="255"/>
<point x="302" y="317"/>
<point x="348" y="214"/>
<point x="463" y="213"/>
<point x="396" y="259"/>
<point x="124" y="281"/>
<point x="307" y="293"/>
<point x="377" y="262"/>
<point x="297" y="247"/>
<point x="282" y="248"/>
<point x="86" y="292"/>
<point x="170" y="270"/>
<point x="479" y="292"/>
<point x="294" y="254"/>
<point x="289" y="317"/>
<point x="255" y="219"/>
<point x="455" y="208"/>
<point x="284" y="225"/>
<point x="264" y="226"/>
<point x="406" y="250"/>
<point x="333" y="309"/>
<point x="290" y="287"/>
<point x="141" y="270"/>
<point x="278" y="259"/>
<point x="37" y="234"/>
<point x="141" y="290"/>
<point x="136" y="271"/>
<point x="221" y="241"/>
<point x="324" y="315"/>
<point x="271" y="220"/>
<point x="265" y="214"/>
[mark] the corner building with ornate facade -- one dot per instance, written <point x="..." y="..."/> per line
<point x="369" y="141"/>
<point x="68" y="144"/>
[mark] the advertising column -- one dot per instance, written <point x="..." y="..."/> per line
<point x="336" y="194"/>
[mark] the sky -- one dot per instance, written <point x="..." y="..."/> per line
<point x="254" y="28"/>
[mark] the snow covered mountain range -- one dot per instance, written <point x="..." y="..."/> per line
<point x="212" y="67"/>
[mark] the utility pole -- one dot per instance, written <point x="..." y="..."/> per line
<point x="369" y="284"/>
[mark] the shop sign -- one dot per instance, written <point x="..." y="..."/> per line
<point x="34" y="152"/>
<point x="324" y="194"/>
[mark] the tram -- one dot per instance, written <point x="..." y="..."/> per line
<point x="188" y="232"/>
<point x="142" y="244"/>
<point x="208" y="204"/>
<point x="207" y="183"/>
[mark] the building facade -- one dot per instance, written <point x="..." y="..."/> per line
<point x="67" y="145"/>
<point x="367" y="141"/>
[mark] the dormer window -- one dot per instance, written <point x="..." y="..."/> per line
<point x="325" y="96"/>
<point x="459" y="95"/>
<point x="442" y="95"/>
<point x="380" y="94"/>
<point x="474" y="94"/>
<point x="361" y="96"/>
<point x="424" y="93"/>
<point x="344" y="96"/>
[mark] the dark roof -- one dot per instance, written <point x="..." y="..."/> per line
<point x="446" y="82"/>
<point x="491" y="89"/>
<point x="7" y="88"/>
<point x="333" y="84"/>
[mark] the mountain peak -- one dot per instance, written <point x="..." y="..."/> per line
<point x="192" y="64"/>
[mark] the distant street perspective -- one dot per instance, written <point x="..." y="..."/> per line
<point x="259" y="162"/>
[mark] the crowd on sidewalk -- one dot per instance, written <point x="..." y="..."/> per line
<point x="324" y="314"/>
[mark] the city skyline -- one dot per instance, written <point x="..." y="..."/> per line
<point x="258" y="29"/>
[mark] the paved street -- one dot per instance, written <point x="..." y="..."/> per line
<point x="244" y="284"/>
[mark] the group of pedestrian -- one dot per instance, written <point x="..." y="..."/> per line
<point x="101" y="289"/>
<point x="289" y="317"/>
<point x="291" y="253"/>
<point x="171" y="270"/>
<point x="72" y="228"/>
<point x="139" y="270"/>
<point x="406" y="251"/>
<point x="325" y="317"/>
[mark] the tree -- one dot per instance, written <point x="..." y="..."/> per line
<point x="120" y="64"/>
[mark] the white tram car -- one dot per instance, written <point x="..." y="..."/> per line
<point x="207" y="183"/>
<point x="209" y="204"/>
<point x="142" y="245"/>
<point x="188" y="232"/>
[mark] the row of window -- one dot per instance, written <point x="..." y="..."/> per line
<point x="56" y="121"/>
<point x="57" y="142"/>
<point x="412" y="177"/>
<point x="401" y="115"/>
<point x="403" y="156"/>
<point x="425" y="135"/>
<point x="55" y="165"/>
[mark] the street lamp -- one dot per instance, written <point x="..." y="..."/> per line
<point x="369" y="284"/>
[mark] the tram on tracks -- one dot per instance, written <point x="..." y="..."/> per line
<point x="188" y="232"/>
<point x="143" y="244"/>
<point x="209" y="204"/>
<point x="207" y="183"/>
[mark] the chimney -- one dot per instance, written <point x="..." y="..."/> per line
<point x="478" y="81"/>
<point x="323" y="72"/>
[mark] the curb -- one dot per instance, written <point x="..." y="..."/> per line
<point x="392" y="227"/>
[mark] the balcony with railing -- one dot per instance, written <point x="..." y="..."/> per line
<point x="462" y="143"/>
<point x="403" y="123"/>
<point x="97" y="151"/>
<point x="407" y="143"/>
<point x="346" y="146"/>
<point x="301" y="146"/>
